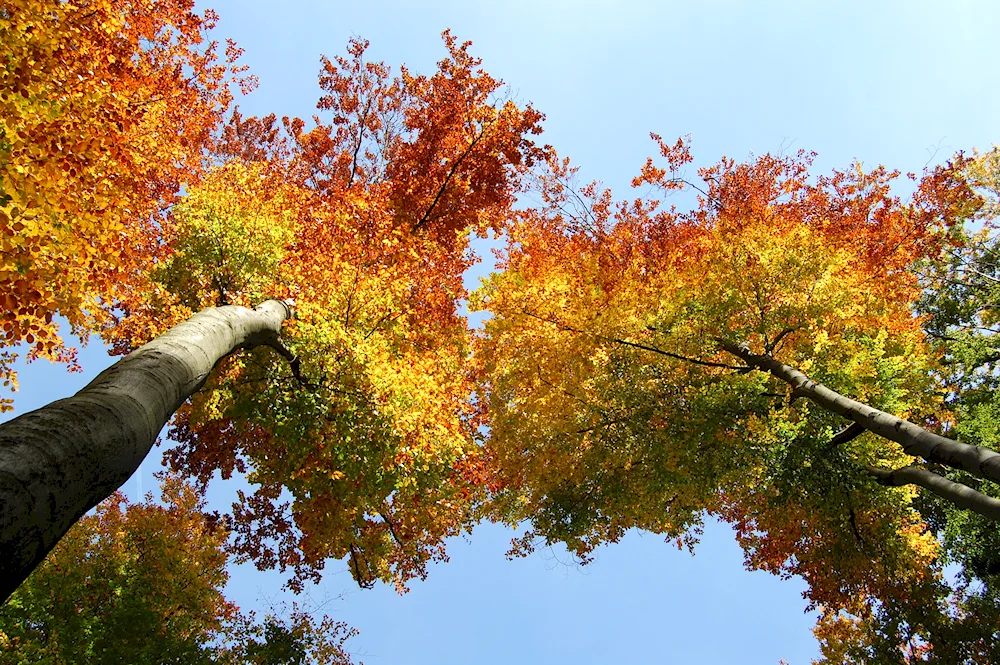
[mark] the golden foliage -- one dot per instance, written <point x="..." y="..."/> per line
<point x="105" y="109"/>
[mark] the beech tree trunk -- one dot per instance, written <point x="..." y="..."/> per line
<point x="915" y="440"/>
<point x="61" y="460"/>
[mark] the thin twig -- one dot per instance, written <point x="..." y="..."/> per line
<point x="637" y="345"/>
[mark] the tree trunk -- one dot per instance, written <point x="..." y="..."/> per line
<point x="61" y="460"/>
<point x="915" y="440"/>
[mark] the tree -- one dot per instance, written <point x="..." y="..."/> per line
<point x="645" y="367"/>
<point x="108" y="107"/>
<point x="147" y="580"/>
<point x="363" y="415"/>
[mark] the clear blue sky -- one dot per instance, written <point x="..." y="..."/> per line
<point x="882" y="82"/>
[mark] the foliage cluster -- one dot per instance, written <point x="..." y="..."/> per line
<point x="147" y="580"/>
<point x="106" y="109"/>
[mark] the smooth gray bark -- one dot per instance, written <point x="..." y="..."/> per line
<point x="915" y="440"/>
<point x="58" y="462"/>
<point x="961" y="495"/>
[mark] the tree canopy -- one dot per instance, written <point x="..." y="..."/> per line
<point x="635" y="374"/>
<point x="364" y="221"/>
<point x="107" y="107"/>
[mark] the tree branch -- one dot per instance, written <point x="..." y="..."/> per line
<point x="356" y="565"/>
<point x="849" y="433"/>
<point x="961" y="495"/>
<point x="427" y="214"/>
<point x="777" y="340"/>
<point x="361" y="136"/>
<point x="636" y="345"/>
<point x="294" y="362"/>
